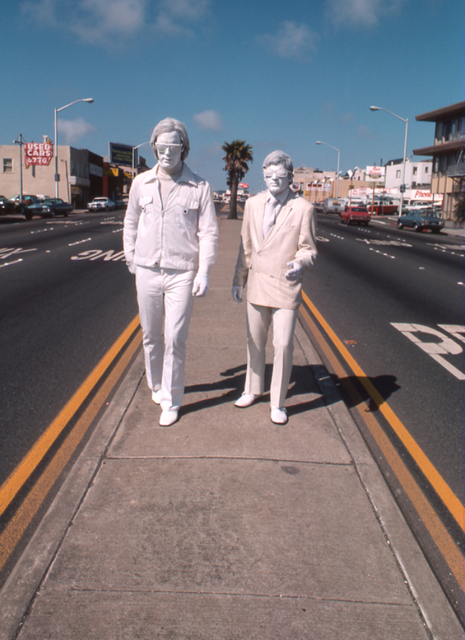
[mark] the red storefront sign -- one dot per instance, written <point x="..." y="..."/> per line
<point x="38" y="153"/>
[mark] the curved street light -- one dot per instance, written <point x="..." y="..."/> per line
<point x="56" y="137"/>
<point x="133" y="149"/>
<point x="338" y="159"/>
<point x="402" y="186"/>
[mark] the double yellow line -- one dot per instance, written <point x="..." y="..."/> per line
<point x="432" y="522"/>
<point x="122" y="351"/>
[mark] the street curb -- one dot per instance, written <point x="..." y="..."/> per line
<point x="18" y="592"/>
<point x="428" y="595"/>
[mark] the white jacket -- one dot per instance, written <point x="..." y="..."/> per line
<point x="182" y="235"/>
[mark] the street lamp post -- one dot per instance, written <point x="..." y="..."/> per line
<point x="133" y="149"/>
<point x="338" y="160"/>
<point x="402" y="186"/>
<point x="20" y="142"/>
<point x="57" y="178"/>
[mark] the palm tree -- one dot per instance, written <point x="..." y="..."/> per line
<point x="238" y="154"/>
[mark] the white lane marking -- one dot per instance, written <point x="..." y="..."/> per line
<point x="10" y="251"/>
<point x="72" y="244"/>
<point x="96" y="254"/>
<point x="8" y="264"/>
<point x="435" y="349"/>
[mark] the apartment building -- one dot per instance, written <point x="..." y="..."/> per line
<point x="447" y="151"/>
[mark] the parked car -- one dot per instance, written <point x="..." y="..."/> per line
<point x="6" y="206"/>
<point x="20" y="205"/>
<point x="101" y="203"/>
<point x="333" y="205"/>
<point x="421" y="219"/>
<point x="49" y="208"/>
<point x="357" y="214"/>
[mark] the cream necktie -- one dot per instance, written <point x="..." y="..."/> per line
<point x="272" y="208"/>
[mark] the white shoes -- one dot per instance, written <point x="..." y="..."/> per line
<point x="246" y="400"/>
<point x="278" y="416"/>
<point x="156" y="396"/>
<point x="168" y="418"/>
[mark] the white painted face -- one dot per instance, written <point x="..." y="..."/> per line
<point x="276" y="178"/>
<point x="169" y="150"/>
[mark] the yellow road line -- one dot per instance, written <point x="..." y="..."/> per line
<point x="443" y="490"/>
<point x="431" y="521"/>
<point x="22" y="518"/>
<point x="26" y="467"/>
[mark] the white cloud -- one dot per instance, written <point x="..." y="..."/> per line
<point x="174" y="15"/>
<point x="100" y="20"/>
<point x="363" y="13"/>
<point x="209" y="120"/>
<point x="291" y="41"/>
<point x="108" y="21"/>
<point x="71" y="131"/>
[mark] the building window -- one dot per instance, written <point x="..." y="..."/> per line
<point x="7" y="165"/>
<point x="415" y="169"/>
<point x="426" y="169"/>
<point x="398" y="173"/>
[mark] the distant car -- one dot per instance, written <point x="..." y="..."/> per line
<point x="421" y="219"/>
<point x="20" y="205"/>
<point x="48" y="208"/>
<point x="382" y="207"/>
<point x="6" y="206"/>
<point x="357" y="214"/>
<point x="101" y="203"/>
<point x="333" y="205"/>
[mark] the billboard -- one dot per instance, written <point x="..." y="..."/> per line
<point x="120" y="154"/>
<point x="38" y="153"/>
<point x="374" y="174"/>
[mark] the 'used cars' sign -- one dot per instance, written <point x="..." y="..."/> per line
<point x="38" y="153"/>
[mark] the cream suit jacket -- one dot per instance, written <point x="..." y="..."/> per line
<point x="262" y="262"/>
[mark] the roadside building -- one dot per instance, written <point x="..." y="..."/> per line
<point x="447" y="152"/>
<point x="30" y="168"/>
<point x="417" y="174"/>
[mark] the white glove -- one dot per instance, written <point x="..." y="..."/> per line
<point x="237" y="293"/>
<point x="132" y="267"/>
<point x="295" y="271"/>
<point x="200" y="286"/>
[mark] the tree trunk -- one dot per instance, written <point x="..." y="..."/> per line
<point x="233" y="203"/>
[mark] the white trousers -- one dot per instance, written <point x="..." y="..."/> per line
<point x="165" y="293"/>
<point x="259" y="320"/>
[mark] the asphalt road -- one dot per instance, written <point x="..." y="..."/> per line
<point x="369" y="280"/>
<point x="394" y="298"/>
<point x="65" y="297"/>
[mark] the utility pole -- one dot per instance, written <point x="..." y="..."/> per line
<point x="20" y="142"/>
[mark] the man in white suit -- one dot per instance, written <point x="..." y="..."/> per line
<point x="277" y="246"/>
<point x="170" y="242"/>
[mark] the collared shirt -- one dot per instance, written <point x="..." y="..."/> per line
<point x="181" y="234"/>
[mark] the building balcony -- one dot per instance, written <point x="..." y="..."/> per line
<point x="456" y="170"/>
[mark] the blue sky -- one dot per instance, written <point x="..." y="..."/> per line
<point x="278" y="75"/>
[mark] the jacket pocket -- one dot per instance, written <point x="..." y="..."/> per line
<point x="187" y="211"/>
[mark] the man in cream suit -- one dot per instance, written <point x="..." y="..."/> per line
<point x="277" y="246"/>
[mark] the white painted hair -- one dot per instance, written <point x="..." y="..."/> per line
<point x="279" y="157"/>
<point x="166" y="126"/>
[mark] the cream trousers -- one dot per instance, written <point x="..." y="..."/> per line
<point x="259" y="320"/>
<point x="165" y="307"/>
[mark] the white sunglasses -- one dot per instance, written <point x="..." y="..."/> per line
<point x="163" y="148"/>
